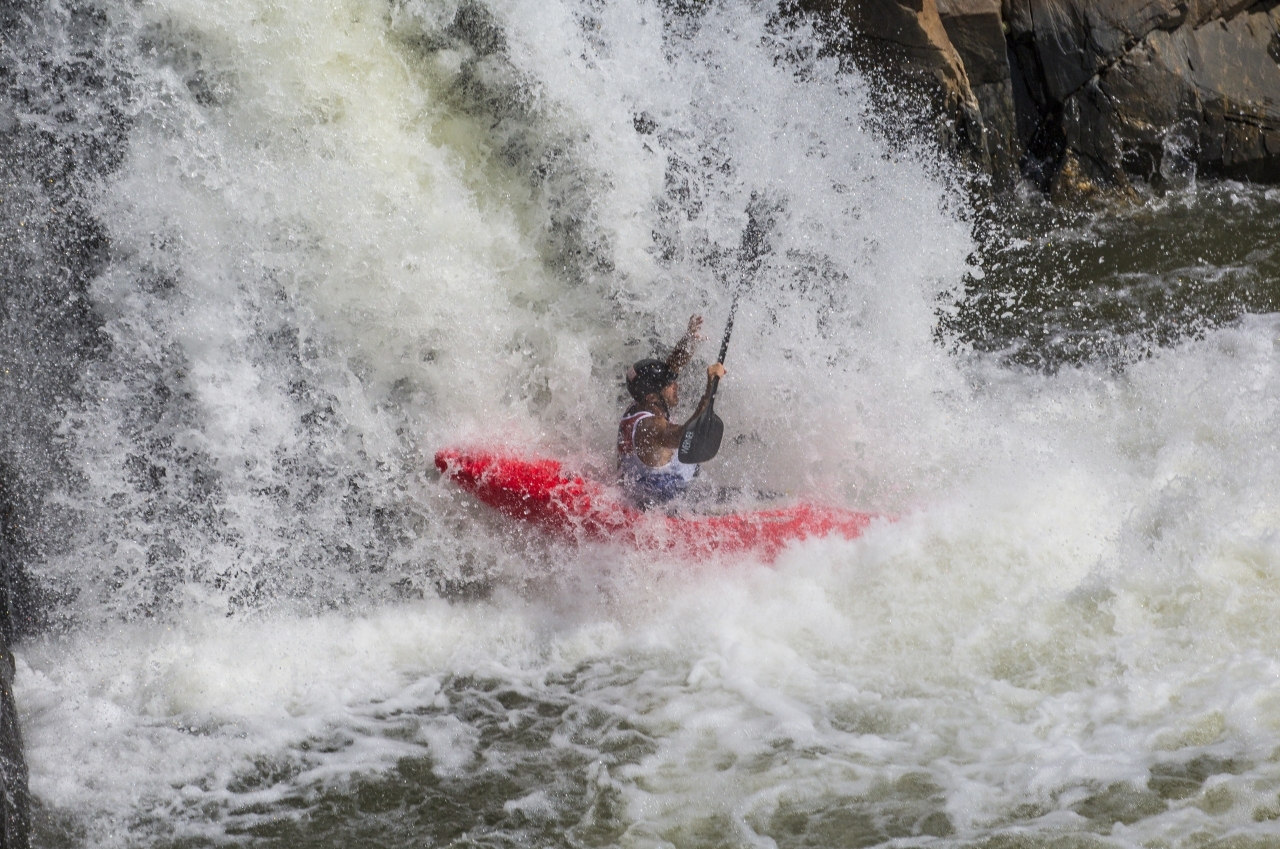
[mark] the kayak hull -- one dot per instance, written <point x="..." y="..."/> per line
<point x="540" y="492"/>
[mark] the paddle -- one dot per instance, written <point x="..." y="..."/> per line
<point x="701" y="440"/>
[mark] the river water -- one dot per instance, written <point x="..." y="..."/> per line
<point x="341" y="235"/>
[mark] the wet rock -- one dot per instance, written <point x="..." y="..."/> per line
<point x="14" y="794"/>
<point x="1088" y="98"/>
<point x="905" y="44"/>
<point x="1075" y="39"/>
<point x="15" y="803"/>
<point x="1206" y="98"/>
<point x="1154" y="92"/>
<point x="63" y="124"/>
<point x="976" y="31"/>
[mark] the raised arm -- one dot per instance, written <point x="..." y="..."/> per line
<point x="684" y="348"/>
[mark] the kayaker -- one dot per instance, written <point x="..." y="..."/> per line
<point x="648" y="468"/>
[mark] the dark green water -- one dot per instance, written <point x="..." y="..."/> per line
<point x="1065" y="287"/>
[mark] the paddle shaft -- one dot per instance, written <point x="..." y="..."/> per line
<point x="724" y="343"/>
<point x="701" y="439"/>
<point x="754" y="246"/>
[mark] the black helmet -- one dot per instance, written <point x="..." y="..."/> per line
<point x="649" y="376"/>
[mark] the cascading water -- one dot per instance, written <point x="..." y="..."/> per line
<point x="319" y="241"/>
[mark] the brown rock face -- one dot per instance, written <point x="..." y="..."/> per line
<point x="905" y="42"/>
<point x="1089" y="96"/>
<point x="976" y="31"/>
<point x="1194" y="93"/>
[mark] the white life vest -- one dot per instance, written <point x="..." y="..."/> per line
<point x="644" y="483"/>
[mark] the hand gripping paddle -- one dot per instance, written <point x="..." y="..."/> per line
<point x="702" y="437"/>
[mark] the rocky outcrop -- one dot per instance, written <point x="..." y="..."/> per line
<point x="1089" y="97"/>
<point x="14" y="796"/>
<point x="1150" y="91"/>
<point x="976" y="30"/>
<point x="61" y="128"/>
<point x="907" y="46"/>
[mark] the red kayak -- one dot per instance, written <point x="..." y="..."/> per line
<point x="538" y="491"/>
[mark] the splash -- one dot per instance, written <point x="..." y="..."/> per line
<point x="344" y="235"/>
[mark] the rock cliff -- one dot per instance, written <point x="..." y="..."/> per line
<point x="907" y="45"/>
<point x="1086" y="96"/>
<point x="14" y="795"/>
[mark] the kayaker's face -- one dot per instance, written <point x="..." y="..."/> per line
<point x="671" y="395"/>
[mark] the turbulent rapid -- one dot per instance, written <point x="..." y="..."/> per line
<point x="306" y="245"/>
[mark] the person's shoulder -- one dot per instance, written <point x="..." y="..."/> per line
<point x="654" y="419"/>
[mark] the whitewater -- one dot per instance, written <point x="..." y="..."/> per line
<point x="346" y="234"/>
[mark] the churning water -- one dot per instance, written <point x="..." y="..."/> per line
<point x="333" y="237"/>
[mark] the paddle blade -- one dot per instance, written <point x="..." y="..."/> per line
<point x="702" y="440"/>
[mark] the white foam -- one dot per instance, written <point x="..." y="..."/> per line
<point x="1077" y="581"/>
